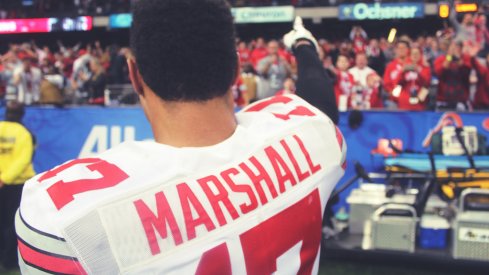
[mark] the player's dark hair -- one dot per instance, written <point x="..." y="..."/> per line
<point x="14" y="112"/>
<point x="185" y="49"/>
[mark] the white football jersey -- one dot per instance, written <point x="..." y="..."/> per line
<point x="252" y="204"/>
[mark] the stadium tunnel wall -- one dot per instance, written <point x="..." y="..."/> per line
<point x="66" y="133"/>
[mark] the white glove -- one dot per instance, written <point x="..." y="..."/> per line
<point x="298" y="33"/>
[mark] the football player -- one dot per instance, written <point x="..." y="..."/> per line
<point x="216" y="192"/>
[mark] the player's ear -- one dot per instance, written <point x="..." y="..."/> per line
<point x="135" y="76"/>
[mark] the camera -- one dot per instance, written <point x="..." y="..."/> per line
<point x="410" y="68"/>
<point x="413" y="99"/>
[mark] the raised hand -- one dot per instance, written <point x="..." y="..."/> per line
<point x="299" y="32"/>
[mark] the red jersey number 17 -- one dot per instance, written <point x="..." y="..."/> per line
<point x="62" y="193"/>
<point x="292" y="236"/>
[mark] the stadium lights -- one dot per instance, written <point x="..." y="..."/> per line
<point x="466" y="7"/>
<point x="444" y="10"/>
<point x="392" y="35"/>
<point x="46" y="25"/>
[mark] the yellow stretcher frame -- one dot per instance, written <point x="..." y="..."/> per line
<point x="452" y="180"/>
<point x="450" y="188"/>
<point x="468" y="174"/>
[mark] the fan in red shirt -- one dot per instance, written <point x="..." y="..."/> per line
<point x="359" y="39"/>
<point x="343" y="87"/>
<point x="244" y="53"/>
<point x="453" y="71"/>
<point x="259" y="52"/>
<point x="481" y="99"/>
<point x="239" y="89"/>
<point x="373" y="95"/>
<point x="326" y="46"/>
<point x="395" y="68"/>
<point x="414" y="82"/>
<point x="286" y="55"/>
<point x="481" y="31"/>
<point x="68" y="66"/>
<point x="367" y="97"/>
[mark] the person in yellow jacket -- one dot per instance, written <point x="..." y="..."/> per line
<point x="16" y="151"/>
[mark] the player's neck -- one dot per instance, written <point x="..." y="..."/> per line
<point x="185" y="124"/>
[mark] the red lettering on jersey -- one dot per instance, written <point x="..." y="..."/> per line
<point x="314" y="168"/>
<point x="215" y="261"/>
<point x="279" y="165"/>
<point x="302" y="176"/>
<point x="298" y="111"/>
<point x="339" y="137"/>
<point x="53" y="173"/>
<point x="189" y="201"/>
<point x="221" y="196"/>
<point x="257" y="179"/>
<point x="264" y="104"/>
<point x="240" y="188"/>
<point x="159" y="222"/>
<point x="62" y="193"/>
<point x="265" y="243"/>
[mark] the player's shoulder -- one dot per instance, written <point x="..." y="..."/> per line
<point x="41" y="244"/>
<point x="283" y="115"/>
<point x="290" y="112"/>
<point x="52" y="198"/>
<point x="41" y="252"/>
<point x="286" y="108"/>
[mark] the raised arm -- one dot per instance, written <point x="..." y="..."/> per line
<point x="453" y="19"/>
<point x="313" y="84"/>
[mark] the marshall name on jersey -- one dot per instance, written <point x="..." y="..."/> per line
<point x="251" y="204"/>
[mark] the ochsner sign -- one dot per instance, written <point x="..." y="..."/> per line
<point x="380" y="11"/>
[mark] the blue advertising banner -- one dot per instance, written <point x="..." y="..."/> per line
<point x="381" y="11"/>
<point x="64" y="134"/>
<point x="120" y="21"/>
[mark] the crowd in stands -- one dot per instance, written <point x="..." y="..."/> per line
<point x="448" y="70"/>
<point x="39" y="75"/>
